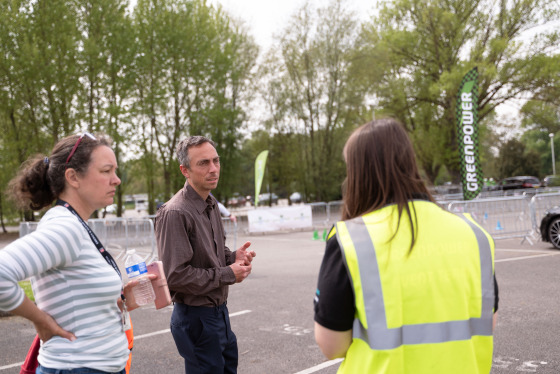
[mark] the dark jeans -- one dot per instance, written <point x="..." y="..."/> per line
<point x="44" y="370"/>
<point x="204" y="339"/>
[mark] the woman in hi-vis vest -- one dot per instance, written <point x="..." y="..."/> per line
<point x="404" y="286"/>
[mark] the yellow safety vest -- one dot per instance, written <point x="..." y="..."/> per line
<point x="425" y="312"/>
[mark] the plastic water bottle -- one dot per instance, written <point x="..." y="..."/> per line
<point x="136" y="269"/>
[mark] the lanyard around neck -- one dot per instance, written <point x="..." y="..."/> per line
<point x="106" y="255"/>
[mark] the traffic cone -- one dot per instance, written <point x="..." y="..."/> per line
<point x="315" y="235"/>
<point x="499" y="226"/>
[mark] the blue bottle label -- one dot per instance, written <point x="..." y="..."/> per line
<point x="136" y="270"/>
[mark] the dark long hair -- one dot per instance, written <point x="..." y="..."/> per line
<point x="41" y="179"/>
<point x="381" y="169"/>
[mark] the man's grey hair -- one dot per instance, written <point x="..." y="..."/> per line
<point x="185" y="144"/>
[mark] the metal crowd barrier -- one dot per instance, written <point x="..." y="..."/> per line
<point x="27" y="228"/>
<point x="230" y="227"/>
<point x="334" y="209"/>
<point x="514" y="216"/>
<point x="319" y="214"/>
<point x="118" y="235"/>
<point x="503" y="218"/>
<point x="539" y="204"/>
<point x="122" y="234"/>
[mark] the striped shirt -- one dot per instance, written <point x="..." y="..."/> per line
<point x="74" y="284"/>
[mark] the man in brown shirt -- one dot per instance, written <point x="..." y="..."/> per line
<point x="198" y="266"/>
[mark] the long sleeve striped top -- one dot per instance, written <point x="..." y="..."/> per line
<point x="74" y="284"/>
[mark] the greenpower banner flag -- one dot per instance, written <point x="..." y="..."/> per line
<point x="260" y="164"/>
<point x="467" y="135"/>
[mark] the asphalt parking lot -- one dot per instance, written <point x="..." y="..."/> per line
<point x="272" y="314"/>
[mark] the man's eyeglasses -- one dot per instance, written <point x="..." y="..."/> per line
<point x="77" y="144"/>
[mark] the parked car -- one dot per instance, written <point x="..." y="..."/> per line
<point x="295" y="198"/>
<point x="236" y="201"/>
<point x="141" y="205"/>
<point x="518" y="182"/>
<point x="264" y="198"/>
<point x="550" y="226"/>
<point x="551" y="181"/>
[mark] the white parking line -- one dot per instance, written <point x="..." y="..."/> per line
<point x="11" y="366"/>
<point x="526" y="257"/>
<point x="239" y="313"/>
<point x="320" y="366"/>
<point x="151" y="334"/>
<point x="524" y="250"/>
<point x="135" y="338"/>
<point x="168" y="330"/>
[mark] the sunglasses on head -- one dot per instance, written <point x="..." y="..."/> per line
<point x="77" y="144"/>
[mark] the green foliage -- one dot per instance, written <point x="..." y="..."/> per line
<point x="106" y="69"/>
<point x="192" y="74"/>
<point x="541" y="115"/>
<point x="313" y="100"/>
<point x="515" y="159"/>
<point x="170" y="69"/>
<point x="541" y="119"/>
<point x="422" y="49"/>
<point x="26" y="285"/>
<point x="174" y="68"/>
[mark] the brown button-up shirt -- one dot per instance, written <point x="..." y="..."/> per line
<point x="191" y="244"/>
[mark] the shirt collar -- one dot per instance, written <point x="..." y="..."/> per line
<point x="199" y="204"/>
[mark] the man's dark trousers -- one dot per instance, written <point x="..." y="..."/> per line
<point x="204" y="339"/>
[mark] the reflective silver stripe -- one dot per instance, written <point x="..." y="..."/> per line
<point x="486" y="269"/>
<point x="378" y="336"/>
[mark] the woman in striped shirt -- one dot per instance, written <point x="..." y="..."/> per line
<point x="77" y="286"/>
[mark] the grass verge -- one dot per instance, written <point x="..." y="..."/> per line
<point x="26" y="285"/>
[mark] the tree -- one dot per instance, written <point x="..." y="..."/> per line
<point x="149" y="87"/>
<point x="194" y="65"/>
<point x="492" y="135"/>
<point x="515" y="159"/>
<point x="310" y="91"/>
<point x="175" y="68"/>
<point x="119" y="87"/>
<point x="39" y="82"/>
<point x="422" y="49"/>
<point x="540" y="119"/>
<point x="106" y="61"/>
<point x="229" y="93"/>
<point x="19" y="99"/>
<point x="56" y="42"/>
